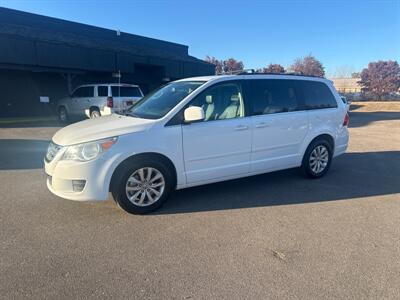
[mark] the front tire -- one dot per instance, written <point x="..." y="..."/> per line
<point x="142" y="186"/>
<point x="62" y="115"/>
<point x="317" y="159"/>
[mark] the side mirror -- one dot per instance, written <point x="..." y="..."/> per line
<point x="193" y="114"/>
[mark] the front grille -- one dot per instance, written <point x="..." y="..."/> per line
<point x="52" y="151"/>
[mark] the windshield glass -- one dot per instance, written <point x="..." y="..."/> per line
<point x="158" y="103"/>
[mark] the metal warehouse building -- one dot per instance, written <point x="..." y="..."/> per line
<point x="45" y="58"/>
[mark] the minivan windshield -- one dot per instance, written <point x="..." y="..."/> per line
<point x="159" y="102"/>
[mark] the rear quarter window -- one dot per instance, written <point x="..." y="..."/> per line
<point x="317" y="95"/>
<point x="125" y="91"/>
<point x="102" y="91"/>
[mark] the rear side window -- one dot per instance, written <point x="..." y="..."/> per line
<point x="102" y="91"/>
<point x="317" y="95"/>
<point x="125" y="91"/>
<point x="86" y="91"/>
<point x="269" y="96"/>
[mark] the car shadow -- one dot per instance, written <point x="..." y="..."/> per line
<point x="360" y="119"/>
<point x="355" y="106"/>
<point x="352" y="176"/>
<point x="19" y="154"/>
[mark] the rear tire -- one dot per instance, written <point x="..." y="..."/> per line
<point x="138" y="192"/>
<point x="95" y="113"/>
<point x="63" y="115"/>
<point x="317" y="158"/>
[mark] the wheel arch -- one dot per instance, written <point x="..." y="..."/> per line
<point x="146" y="155"/>
<point x="325" y="135"/>
<point x="60" y="106"/>
<point x="94" y="107"/>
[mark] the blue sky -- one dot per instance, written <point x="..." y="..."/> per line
<point x="344" y="35"/>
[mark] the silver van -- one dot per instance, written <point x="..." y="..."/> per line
<point x="95" y="100"/>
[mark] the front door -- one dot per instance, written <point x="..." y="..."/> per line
<point x="219" y="146"/>
<point x="81" y="99"/>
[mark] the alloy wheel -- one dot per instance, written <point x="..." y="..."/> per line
<point x="95" y="114"/>
<point x="63" y="115"/>
<point x="319" y="159"/>
<point x="145" y="186"/>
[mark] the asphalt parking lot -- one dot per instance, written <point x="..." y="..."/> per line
<point x="273" y="236"/>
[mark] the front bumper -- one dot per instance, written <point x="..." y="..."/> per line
<point x="76" y="196"/>
<point x="96" y="174"/>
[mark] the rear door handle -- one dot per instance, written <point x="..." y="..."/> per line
<point x="261" y="125"/>
<point x="241" y="127"/>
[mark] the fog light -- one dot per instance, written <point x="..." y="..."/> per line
<point x="78" y="185"/>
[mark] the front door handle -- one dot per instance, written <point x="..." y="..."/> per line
<point x="261" y="125"/>
<point x="241" y="127"/>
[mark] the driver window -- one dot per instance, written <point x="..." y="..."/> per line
<point x="86" y="91"/>
<point x="223" y="101"/>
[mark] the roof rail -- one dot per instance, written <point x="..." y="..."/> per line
<point x="238" y="72"/>
<point x="289" y="74"/>
<point x="254" y="72"/>
<point x="247" y="72"/>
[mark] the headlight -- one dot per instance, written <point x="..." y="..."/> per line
<point x="88" y="151"/>
<point x="52" y="151"/>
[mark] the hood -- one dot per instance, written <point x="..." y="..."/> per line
<point x="100" y="128"/>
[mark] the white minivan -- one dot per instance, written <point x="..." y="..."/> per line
<point x="197" y="131"/>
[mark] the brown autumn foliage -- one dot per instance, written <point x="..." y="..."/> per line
<point x="273" y="68"/>
<point x="225" y="66"/>
<point x="309" y="66"/>
<point x="380" y="79"/>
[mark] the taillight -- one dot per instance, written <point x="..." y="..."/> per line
<point x="110" y="102"/>
<point x="346" y="120"/>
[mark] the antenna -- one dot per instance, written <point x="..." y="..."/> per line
<point x="119" y="83"/>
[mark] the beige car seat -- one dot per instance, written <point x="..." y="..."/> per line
<point x="209" y="107"/>
<point x="232" y="111"/>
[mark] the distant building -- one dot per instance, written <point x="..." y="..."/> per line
<point x="46" y="58"/>
<point x="347" y="85"/>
